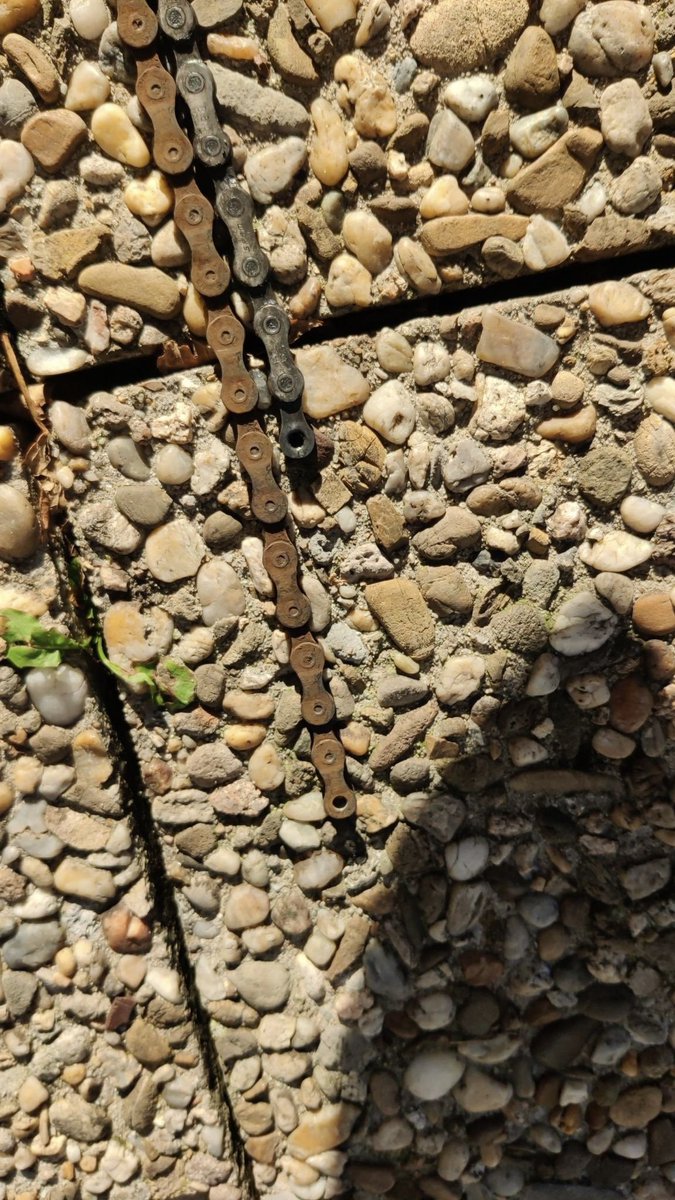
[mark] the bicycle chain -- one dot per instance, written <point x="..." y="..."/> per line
<point x="196" y="218"/>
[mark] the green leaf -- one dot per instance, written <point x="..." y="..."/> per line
<point x="22" y="629"/>
<point x="19" y="626"/>
<point x="140" y="675"/>
<point x="33" y="656"/>
<point x="183" y="687"/>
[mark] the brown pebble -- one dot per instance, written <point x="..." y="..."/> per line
<point x="579" y="427"/>
<point x="51" y="137"/>
<point x="34" y="64"/>
<point x="630" y="704"/>
<point x="653" y="615"/>
<point x="660" y="660"/>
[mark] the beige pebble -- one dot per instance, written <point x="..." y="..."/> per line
<point x="660" y="396"/>
<point x="612" y="745"/>
<point x="88" y="88"/>
<point x="368" y="239"/>
<point x="617" y="303"/>
<point x="416" y="265"/>
<point x="668" y="321"/>
<point x="173" y="465"/>
<point x="195" y="312"/>
<point x="151" y="198"/>
<point x="169" y="248"/>
<point x="332" y="14"/>
<point x="577" y="428"/>
<point x="16" y="171"/>
<point x="89" y="17"/>
<point x="390" y="411"/>
<point x="249" y="706"/>
<point x="116" y="136"/>
<point x="331" y="384"/>
<point x="641" y="514"/>
<point x="174" y="551"/>
<point x="266" y="768"/>
<point x="14" y="13"/>
<point x="394" y="352"/>
<point x="328" y="157"/>
<point x="444" y="198"/>
<point x="355" y="738"/>
<point x="588" y="691"/>
<point x="348" y="283"/>
<point x="246" y="907"/>
<point x="244" y="737"/>
<point x="375" y="111"/>
<point x="617" y="551"/>
<point x="8" y="446"/>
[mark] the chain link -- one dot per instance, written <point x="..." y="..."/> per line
<point x="195" y="217"/>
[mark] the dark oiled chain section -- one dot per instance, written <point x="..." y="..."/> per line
<point x="206" y="160"/>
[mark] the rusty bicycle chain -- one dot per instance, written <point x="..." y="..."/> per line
<point x="139" y="28"/>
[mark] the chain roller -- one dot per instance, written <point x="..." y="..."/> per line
<point x="194" y="216"/>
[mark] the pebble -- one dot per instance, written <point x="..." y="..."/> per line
<point x="174" y="551"/>
<point x="331" y="384"/>
<point x="515" y="346"/>
<point x="19" y="534"/>
<point x="266" y="768"/>
<point x="16" y="171"/>
<point x="654" y="615"/>
<point x="34" y="64"/>
<point x="654" y="446"/>
<point x="348" y="283"/>
<point x="368" y="239"/>
<point x="479" y="1092"/>
<point x="444" y="198"/>
<point x="151" y="198"/>
<point x="77" y="879"/>
<point x="390" y="411"/>
<point x="660" y="396"/>
<point x="113" y="131"/>
<point x="271" y="170"/>
<point x="400" y="608"/>
<point x="614" y="37"/>
<point x="625" y="120"/>
<point x="458" y="37"/>
<point x="460" y="677"/>
<point x="251" y="106"/>
<point x="89" y="17"/>
<point x="531" y="76"/>
<point x="17" y="105"/>
<point x="533" y="134"/>
<point x="433" y="1073"/>
<point x="318" y="871"/>
<point x="58" y="693"/>
<point x="220" y="592"/>
<point x="145" y="288"/>
<point x="581" y="624"/>
<point x="416" y="265"/>
<point x="544" y="245"/>
<point x="616" y="551"/>
<point x="450" y="143"/>
<point x="637" y="188"/>
<point x="471" y="98"/>
<point x="617" y="303"/>
<point x="328" y="155"/>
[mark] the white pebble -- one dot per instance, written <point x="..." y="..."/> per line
<point x="432" y="1073"/>
<point x="660" y="395"/>
<point x="472" y="98"/>
<point x="616" y="551"/>
<point x="88" y="87"/>
<point x="58" y="693"/>
<point x="641" y="514"/>
<point x="89" y="18"/>
<point x="16" y="170"/>
<point x="390" y="411"/>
